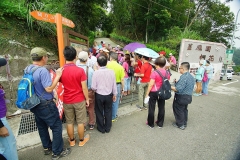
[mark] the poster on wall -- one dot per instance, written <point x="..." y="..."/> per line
<point x="193" y="51"/>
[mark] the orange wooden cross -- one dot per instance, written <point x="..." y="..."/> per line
<point x="59" y="20"/>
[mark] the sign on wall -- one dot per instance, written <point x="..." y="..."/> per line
<point x="193" y="51"/>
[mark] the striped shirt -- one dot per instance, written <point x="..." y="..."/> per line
<point x="185" y="84"/>
<point x="104" y="81"/>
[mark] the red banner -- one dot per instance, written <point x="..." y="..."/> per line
<point x="58" y="94"/>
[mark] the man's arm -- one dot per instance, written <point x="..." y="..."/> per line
<point x="3" y="130"/>
<point x="85" y="91"/>
<point x="114" y="90"/>
<point x="55" y="81"/>
<point x="138" y="75"/>
<point x="174" y="88"/>
<point x="180" y="85"/>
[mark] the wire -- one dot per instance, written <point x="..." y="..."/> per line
<point x="166" y="7"/>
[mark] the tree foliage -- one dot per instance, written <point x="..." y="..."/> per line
<point x="152" y="20"/>
<point x="215" y="23"/>
<point x="236" y="56"/>
<point x="87" y="15"/>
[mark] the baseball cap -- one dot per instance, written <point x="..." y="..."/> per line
<point x="3" y="62"/>
<point x="170" y="54"/>
<point x="38" y="52"/>
<point x="83" y="55"/>
<point x="162" y="52"/>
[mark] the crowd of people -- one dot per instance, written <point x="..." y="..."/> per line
<point x="94" y="80"/>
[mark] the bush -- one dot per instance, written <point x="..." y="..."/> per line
<point x="91" y="37"/>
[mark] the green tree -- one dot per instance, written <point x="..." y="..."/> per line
<point x="236" y="56"/>
<point x="213" y="20"/>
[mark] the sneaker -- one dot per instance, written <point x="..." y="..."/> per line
<point x="159" y="127"/>
<point x="182" y="127"/>
<point x="86" y="138"/>
<point x="91" y="127"/>
<point x="72" y="143"/>
<point x="140" y="108"/>
<point x="114" y="120"/>
<point x="175" y="125"/>
<point x="151" y="127"/>
<point x="195" y="94"/>
<point x="64" y="153"/>
<point x="47" y="151"/>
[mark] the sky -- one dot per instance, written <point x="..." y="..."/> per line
<point x="234" y="7"/>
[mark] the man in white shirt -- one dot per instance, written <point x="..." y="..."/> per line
<point x="92" y="60"/>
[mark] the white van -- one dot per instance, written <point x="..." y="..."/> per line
<point x="229" y="74"/>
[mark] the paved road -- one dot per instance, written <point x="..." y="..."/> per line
<point x="212" y="133"/>
<point x="107" y="41"/>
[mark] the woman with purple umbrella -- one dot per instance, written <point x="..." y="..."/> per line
<point x="132" y="46"/>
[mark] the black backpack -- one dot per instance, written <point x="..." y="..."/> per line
<point x="164" y="91"/>
<point x="130" y="71"/>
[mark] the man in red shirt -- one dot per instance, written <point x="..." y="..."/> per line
<point x="138" y="64"/>
<point x="75" y="97"/>
<point x="144" y="74"/>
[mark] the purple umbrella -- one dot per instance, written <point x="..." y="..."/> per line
<point x="132" y="46"/>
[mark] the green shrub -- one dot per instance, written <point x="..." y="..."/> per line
<point x="91" y="37"/>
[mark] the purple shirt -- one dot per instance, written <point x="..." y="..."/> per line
<point x="104" y="81"/>
<point x="3" y="107"/>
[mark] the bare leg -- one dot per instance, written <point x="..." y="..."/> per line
<point x="70" y="131"/>
<point x="81" y="131"/>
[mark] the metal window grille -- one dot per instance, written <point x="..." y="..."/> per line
<point x="27" y="124"/>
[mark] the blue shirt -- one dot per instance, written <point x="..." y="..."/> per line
<point x="199" y="73"/>
<point x="90" y="74"/>
<point x="42" y="80"/>
<point x="209" y="70"/>
<point x="185" y="84"/>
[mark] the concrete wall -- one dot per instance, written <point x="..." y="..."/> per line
<point x="193" y="51"/>
<point x="19" y="58"/>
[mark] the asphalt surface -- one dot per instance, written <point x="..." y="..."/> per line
<point x="212" y="133"/>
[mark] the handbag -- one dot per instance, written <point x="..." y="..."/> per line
<point x="31" y="102"/>
<point x="183" y="99"/>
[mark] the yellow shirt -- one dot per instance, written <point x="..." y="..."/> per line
<point x="118" y="70"/>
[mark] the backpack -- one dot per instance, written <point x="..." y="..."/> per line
<point x="130" y="71"/>
<point x="205" y="77"/>
<point x="164" y="91"/>
<point x="26" y="90"/>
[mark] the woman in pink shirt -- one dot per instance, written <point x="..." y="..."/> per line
<point x="152" y="92"/>
<point x="127" y="79"/>
<point x="172" y="59"/>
